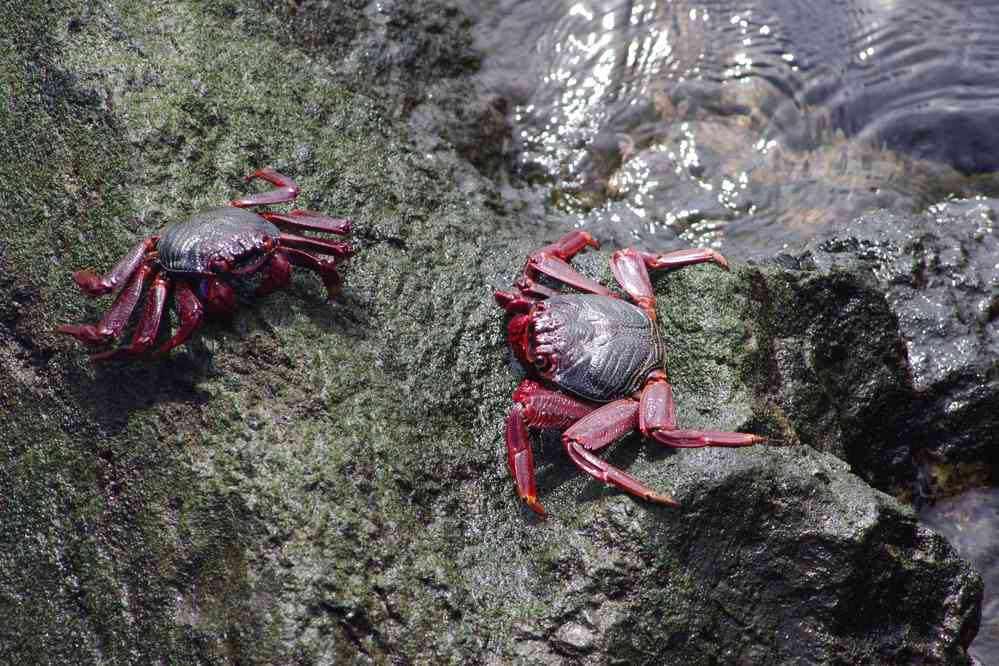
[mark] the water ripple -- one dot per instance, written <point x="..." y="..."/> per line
<point x="743" y="125"/>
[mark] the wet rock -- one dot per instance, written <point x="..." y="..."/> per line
<point x="574" y="639"/>
<point x="320" y="483"/>
<point x="786" y="558"/>
<point x="883" y="345"/>
<point x="417" y="58"/>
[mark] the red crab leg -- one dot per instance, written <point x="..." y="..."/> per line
<point x="511" y="302"/>
<point x="286" y="189"/>
<point x="98" y="286"/>
<point x="630" y="268"/>
<point x="537" y="407"/>
<point x="596" y="431"/>
<point x="520" y="458"/>
<point x="277" y="275"/>
<point x="190" y="312"/>
<point x="530" y="293"/>
<point x="114" y="322"/>
<point x="148" y="326"/>
<point x="603" y="426"/>
<point x="321" y="245"/>
<point x="630" y="272"/>
<point x="681" y="258"/>
<point x="571" y="244"/>
<point x="308" y="220"/>
<point x="518" y="333"/>
<point x="530" y="288"/>
<point x="552" y="260"/>
<point x="545" y="408"/>
<point x="220" y="297"/>
<point x="657" y="420"/>
<point x="326" y="269"/>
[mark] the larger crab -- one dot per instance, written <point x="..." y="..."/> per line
<point x="197" y="258"/>
<point x="600" y="362"/>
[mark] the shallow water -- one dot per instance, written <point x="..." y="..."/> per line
<point x="971" y="523"/>
<point x="746" y="126"/>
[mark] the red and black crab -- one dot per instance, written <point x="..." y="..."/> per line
<point x="193" y="260"/>
<point x="598" y="362"/>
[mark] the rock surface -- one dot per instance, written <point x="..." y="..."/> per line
<point x="315" y="483"/>
<point x="894" y="321"/>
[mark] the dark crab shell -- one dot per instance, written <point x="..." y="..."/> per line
<point x="603" y="348"/>
<point x="189" y="246"/>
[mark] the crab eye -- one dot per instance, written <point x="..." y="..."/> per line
<point x="542" y="363"/>
<point x="218" y="265"/>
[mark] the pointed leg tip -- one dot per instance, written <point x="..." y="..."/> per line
<point x="86" y="334"/>
<point x="720" y="260"/>
<point x="71" y="330"/>
<point x="536" y="506"/>
<point x="664" y="500"/>
<point x="749" y="439"/>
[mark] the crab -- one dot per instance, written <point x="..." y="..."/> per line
<point x="197" y="258"/>
<point x="597" y="364"/>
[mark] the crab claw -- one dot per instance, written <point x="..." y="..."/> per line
<point x="513" y="302"/>
<point x="88" y="334"/>
<point x="90" y="283"/>
<point x="219" y="297"/>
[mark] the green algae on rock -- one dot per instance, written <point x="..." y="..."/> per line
<point x="316" y="483"/>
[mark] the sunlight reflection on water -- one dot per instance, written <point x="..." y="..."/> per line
<point x="748" y="126"/>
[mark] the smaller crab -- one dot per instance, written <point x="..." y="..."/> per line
<point x="604" y="357"/>
<point x="197" y="257"/>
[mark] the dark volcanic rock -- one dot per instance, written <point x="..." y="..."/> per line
<point x="883" y="345"/>
<point x="315" y="483"/>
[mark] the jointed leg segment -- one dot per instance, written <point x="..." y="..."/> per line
<point x="326" y="269"/>
<point x="552" y="260"/>
<point x="590" y="427"/>
<point x="657" y="420"/>
<point x="285" y="190"/>
<point x="95" y="286"/>
<point x="148" y="326"/>
<point x="299" y="220"/>
<point x="598" y="429"/>
<point x="189" y="311"/>
<point x="536" y="407"/>
<point x="307" y="220"/>
<point x="114" y="322"/>
<point x="631" y="270"/>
